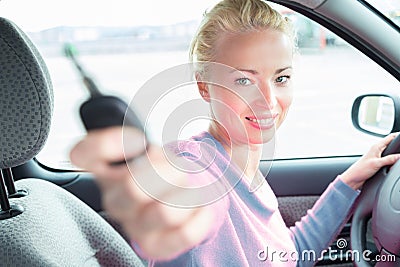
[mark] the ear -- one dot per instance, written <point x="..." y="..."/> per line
<point x="203" y="88"/>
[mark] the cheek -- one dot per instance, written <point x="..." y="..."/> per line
<point x="284" y="101"/>
<point x="226" y="103"/>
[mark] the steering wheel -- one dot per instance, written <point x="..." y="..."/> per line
<point x="380" y="202"/>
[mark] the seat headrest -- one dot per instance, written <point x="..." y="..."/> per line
<point x="26" y="97"/>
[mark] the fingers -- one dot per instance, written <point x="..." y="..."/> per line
<point x="391" y="136"/>
<point x="107" y="145"/>
<point x="377" y="149"/>
<point x="386" y="141"/>
<point x="135" y="194"/>
<point x="122" y="199"/>
<point x="370" y="163"/>
<point x="389" y="160"/>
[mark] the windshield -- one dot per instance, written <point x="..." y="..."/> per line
<point x="389" y="8"/>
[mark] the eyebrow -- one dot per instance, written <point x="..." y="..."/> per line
<point x="283" y="69"/>
<point x="256" y="72"/>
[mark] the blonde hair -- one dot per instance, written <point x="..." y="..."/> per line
<point x="235" y="16"/>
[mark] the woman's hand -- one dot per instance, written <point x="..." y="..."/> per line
<point x="161" y="231"/>
<point x="369" y="163"/>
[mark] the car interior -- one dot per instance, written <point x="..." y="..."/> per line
<point x="42" y="223"/>
<point x="53" y="217"/>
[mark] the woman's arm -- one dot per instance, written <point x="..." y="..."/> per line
<point x="315" y="232"/>
<point x="139" y="195"/>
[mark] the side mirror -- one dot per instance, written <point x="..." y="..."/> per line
<point x="376" y="114"/>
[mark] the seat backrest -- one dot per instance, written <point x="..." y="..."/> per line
<point x="55" y="228"/>
<point x="26" y="97"/>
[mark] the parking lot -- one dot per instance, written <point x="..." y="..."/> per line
<point x="317" y="125"/>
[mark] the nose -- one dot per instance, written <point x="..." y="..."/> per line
<point x="266" y="97"/>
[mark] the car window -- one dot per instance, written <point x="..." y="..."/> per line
<point x="123" y="45"/>
<point x="330" y="74"/>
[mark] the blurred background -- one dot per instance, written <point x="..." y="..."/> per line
<point x="123" y="44"/>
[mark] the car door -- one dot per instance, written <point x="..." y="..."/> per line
<point x="317" y="141"/>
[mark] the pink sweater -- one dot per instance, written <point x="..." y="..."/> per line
<point x="249" y="229"/>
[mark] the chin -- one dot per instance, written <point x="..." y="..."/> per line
<point x="265" y="138"/>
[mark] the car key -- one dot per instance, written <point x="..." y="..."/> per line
<point x="101" y="111"/>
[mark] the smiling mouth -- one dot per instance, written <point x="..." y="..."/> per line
<point x="263" y="122"/>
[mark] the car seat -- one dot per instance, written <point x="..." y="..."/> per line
<point x="41" y="223"/>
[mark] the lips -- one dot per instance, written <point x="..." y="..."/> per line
<point x="264" y="121"/>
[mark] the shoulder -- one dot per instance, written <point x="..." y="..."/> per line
<point x="196" y="147"/>
<point x="203" y="150"/>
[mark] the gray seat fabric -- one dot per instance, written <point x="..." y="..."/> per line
<point x="26" y="99"/>
<point x="56" y="228"/>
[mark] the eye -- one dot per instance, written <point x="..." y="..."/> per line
<point x="243" y="81"/>
<point x="282" y="79"/>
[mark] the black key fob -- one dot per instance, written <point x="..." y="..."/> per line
<point x="106" y="111"/>
<point x="101" y="111"/>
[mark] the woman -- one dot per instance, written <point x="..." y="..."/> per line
<point x="243" y="54"/>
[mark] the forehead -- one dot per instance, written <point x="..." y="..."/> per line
<point x="260" y="49"/>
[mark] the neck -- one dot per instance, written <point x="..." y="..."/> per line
<point x="246" y="156"/>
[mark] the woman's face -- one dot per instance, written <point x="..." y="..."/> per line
<point x="250" y="88"/>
